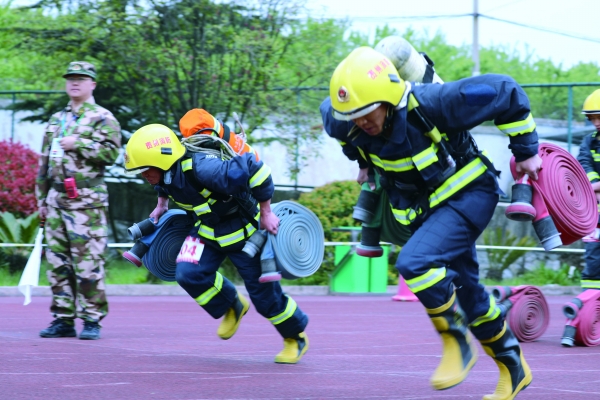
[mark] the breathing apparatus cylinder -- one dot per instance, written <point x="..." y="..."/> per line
<point x="411" y="65"/>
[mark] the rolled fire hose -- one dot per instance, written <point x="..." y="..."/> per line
<point x="583" y="323"/>
<point x="528" y="313"/>
<point x="561" y="203"/>
<point x="298" y="247"/>
<point x="159" y="244"/>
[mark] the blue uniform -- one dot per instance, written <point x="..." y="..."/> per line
<point x="589" y="158"/>
<point x="445" y="206"/>
<point x="214" y="192"/>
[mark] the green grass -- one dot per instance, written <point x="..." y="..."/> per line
<point x="121" y="272"/>
<point x="117" y="273"/>
<point x="539" y="277"/>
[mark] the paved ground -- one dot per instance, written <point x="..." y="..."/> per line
<point x="362" y="347"/>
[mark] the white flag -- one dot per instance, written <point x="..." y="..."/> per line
<point x="31" y="273"/>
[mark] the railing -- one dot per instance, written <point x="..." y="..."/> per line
<point x="478" y="247"/>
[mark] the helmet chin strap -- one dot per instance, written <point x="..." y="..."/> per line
<point x="389" y="115"/>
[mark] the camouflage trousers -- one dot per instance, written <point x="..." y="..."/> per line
<point x="76" y="244"/>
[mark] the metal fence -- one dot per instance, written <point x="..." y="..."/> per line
<point x="304" y="94"/>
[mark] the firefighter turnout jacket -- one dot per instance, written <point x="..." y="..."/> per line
<point x="221" y="195"/>
<point x="420" y="171"/>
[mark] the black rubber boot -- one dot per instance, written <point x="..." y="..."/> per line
<point x="59" y="328"/>
<point x="459" y="352"/>
<point x="515" y="374"/>
<point x="91" y="331"/>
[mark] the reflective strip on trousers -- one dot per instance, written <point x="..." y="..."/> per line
<point x="426" y="280"/>
<point x="212" y="292"/>
<point x="290" y="309"/>
<point x="492" y="314"/>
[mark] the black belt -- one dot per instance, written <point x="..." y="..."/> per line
<point x="86" y="183"/>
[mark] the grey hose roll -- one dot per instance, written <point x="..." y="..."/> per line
<point x="299" y="245"/>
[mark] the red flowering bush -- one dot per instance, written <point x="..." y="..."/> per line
<point x="18" y="170"/>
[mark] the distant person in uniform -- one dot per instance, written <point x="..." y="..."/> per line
<point x="79" y="142"/>
<point x="589" y="158"/>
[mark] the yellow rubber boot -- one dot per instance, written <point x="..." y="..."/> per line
<point x="459" y="352"/>
<point x="293" y="349"/>
<point x="233" y="317"/>
<point x="515" y="374"/>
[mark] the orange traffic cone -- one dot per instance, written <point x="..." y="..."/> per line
<point x="404" y="292"/>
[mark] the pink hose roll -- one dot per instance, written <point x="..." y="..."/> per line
<point x="562" y="192"/>
<point x="583" y="320"/>
<point x="528" y="312"/>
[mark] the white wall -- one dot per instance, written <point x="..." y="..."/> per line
<point x="326" y="163"/>
<point x="27" y="133"/>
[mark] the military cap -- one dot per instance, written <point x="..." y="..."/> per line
<point x="81" y="68"/>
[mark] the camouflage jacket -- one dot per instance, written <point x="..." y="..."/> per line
<point x="98" y="139"/>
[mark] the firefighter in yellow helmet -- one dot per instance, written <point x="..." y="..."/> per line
<point x="444" y="189"/>
<point x="228" y="200"/>
<point x="588" y="158"/>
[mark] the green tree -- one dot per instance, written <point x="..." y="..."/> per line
<point x="156" y="63"/>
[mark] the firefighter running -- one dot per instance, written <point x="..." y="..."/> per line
<point x="444" y="189"/>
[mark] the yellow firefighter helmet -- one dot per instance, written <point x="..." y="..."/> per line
<point x="153" y="145"/>
<point x="591" y="105"/>
<point x="361" y="82"/>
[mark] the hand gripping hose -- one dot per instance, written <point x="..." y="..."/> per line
<point x="527" y="310"/>
<point x="298" y="247"/>
<point x="159" y="244"/>
<point x="564" y="204"/>
<point x="583" y="320"/>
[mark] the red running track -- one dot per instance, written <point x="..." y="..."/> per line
<point x="362" y="347"/>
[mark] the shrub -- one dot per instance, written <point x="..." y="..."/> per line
<point x="333" y="204"/>
<point x="18" y="171"/>
<point x="502" y="259"/>
<point x="17" y="230"/>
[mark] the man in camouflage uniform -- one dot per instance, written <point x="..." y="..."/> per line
<point x="79" y="142"/>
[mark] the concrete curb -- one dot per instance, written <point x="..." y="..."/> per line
<point x="176" y="290"/>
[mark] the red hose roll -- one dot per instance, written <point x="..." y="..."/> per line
<point x="563" y="191"/>
<point x="583" y="313"/>
<point x="528" y="312"/>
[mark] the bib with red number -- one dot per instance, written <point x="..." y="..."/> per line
<point x="191" y="250"/>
